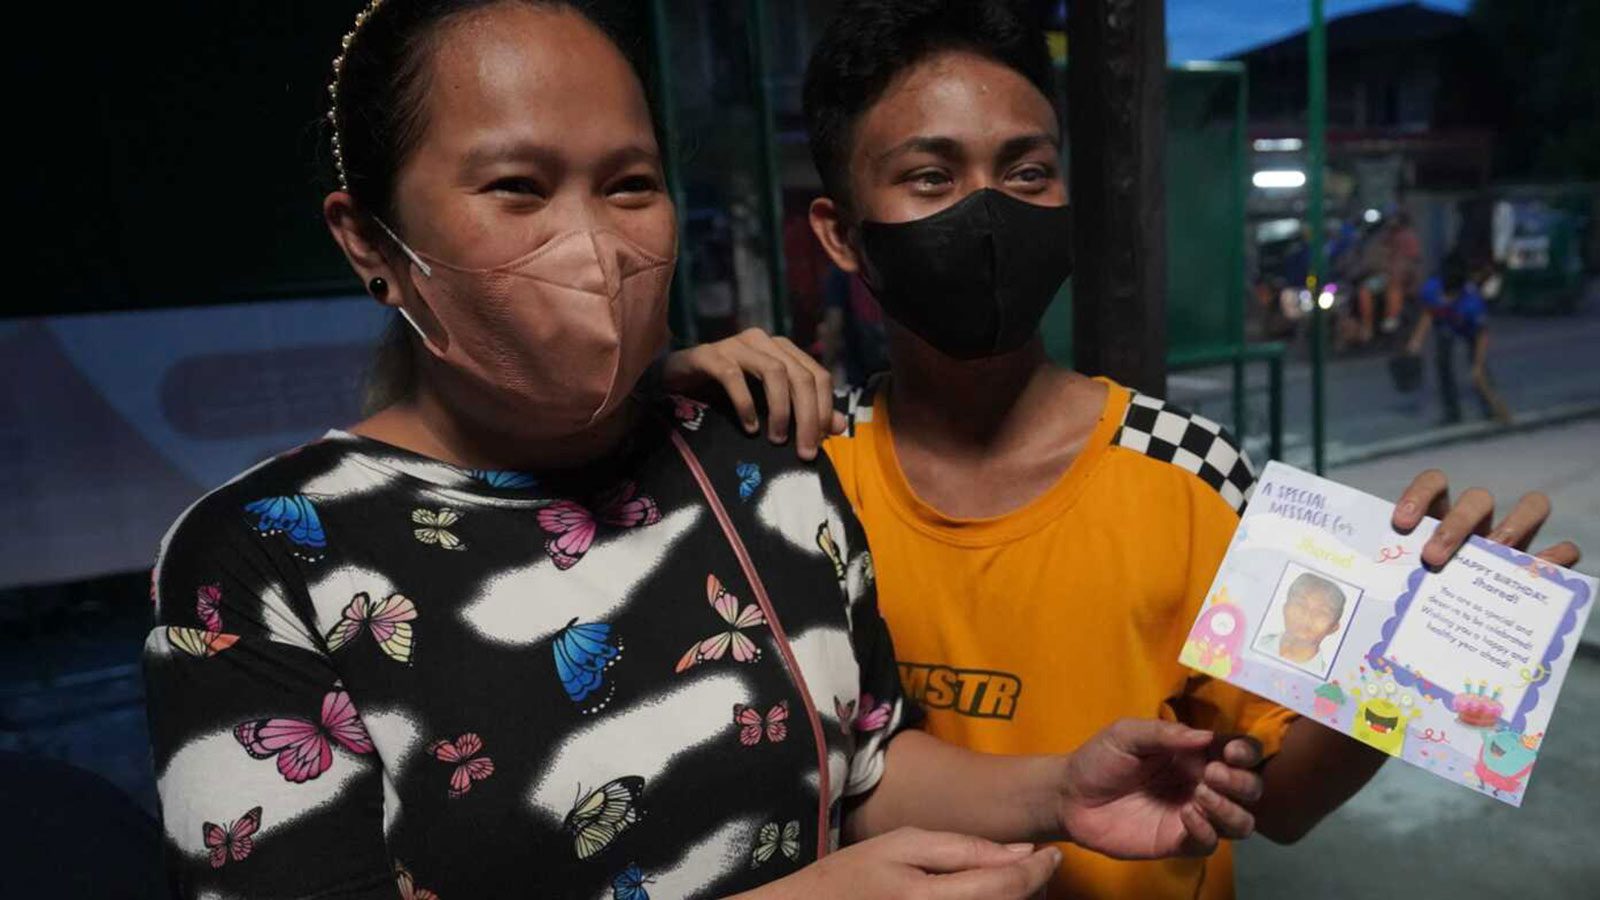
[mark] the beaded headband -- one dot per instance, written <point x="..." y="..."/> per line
<point x="333" y="88"/>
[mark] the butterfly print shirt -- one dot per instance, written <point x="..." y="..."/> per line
<point x="376" y="675"/>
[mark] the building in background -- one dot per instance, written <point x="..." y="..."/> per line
<point x="1406" y="110"/>
<point x="1416" y="98"/>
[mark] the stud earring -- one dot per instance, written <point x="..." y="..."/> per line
<point x="378" y="288"/>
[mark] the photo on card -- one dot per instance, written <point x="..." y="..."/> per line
<point x="1307" y="620"/>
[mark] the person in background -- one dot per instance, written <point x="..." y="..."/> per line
<point x="1454" y="311"/>
<point x="1404" y="258"/>
<point x="1372" y="280"/>
<point x="855" y="329"/>
<point x="716" y="298"/>
<point x="527" y="631"/>
<point x="806" y="272"/>
<point x="1042" y="540"/>
<point x="1344" y="273"/>
<point x="1297" y="259"/>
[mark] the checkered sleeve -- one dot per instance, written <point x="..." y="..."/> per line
<point x="1190" y="442"/>
<point x="856" y="404"/>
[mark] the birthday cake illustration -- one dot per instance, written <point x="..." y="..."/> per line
<point x="1476" y="707"/>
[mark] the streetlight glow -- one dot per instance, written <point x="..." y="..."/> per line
<point x="1279" y="179"/>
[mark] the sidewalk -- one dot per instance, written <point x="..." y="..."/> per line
<point x="1544" y="367"/>
<point x="1413" y="834"/>
<point x="1410" y="834"/>
<point x="1563" y="461"/>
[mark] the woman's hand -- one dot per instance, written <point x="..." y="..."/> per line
<point x="1146" y="789"/>
<point x="1429" y="495"/>
<point x="799" y="390"/>
<point x="912" y="863"/>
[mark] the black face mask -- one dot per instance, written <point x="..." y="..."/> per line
<point x="973" y="280"/>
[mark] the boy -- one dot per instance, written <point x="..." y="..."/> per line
<point x="1042" y="540"/>
<point x="1312" y="610"/>
<point x="1452" y="308"/>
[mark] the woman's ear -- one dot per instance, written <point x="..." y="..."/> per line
<point x="363" y="248"/>
<point x="829" y="225"/>
<point x="386" y="279"/>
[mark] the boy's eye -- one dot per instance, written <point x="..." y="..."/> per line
<point x="1032" y="176"/>
<point x="928" y="179"/>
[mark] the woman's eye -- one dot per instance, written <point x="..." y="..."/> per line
<point x="515" y="185"/>
<point x="636" y="184"/>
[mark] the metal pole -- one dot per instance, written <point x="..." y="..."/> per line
<point x="1275" y="411"/>
<point x="682" y="314"/>
<point x="760" y="29"/>
<point x="1317" y="124"/>
<point x="1237" y="195"/>
<point x="1116" y="114"/>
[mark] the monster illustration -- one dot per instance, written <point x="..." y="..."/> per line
<point x="1383" y="714"/>
<point x="1505" y="760"/>
<point x="1213" y="645"/>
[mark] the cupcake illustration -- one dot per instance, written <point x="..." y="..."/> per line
<point x="1329" y="698"/>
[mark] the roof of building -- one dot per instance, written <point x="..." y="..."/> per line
<point x="1410" y="23"/>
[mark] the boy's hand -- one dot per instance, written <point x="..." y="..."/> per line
<point x="799" y="390"/>
<point x="1429" y="495"/>
<point x="1145" y="789"/>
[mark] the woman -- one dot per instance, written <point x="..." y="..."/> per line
<point x="524" y="633"/>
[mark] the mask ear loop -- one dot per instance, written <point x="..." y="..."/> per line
<point x="427" y="272"/>
<point x="413" y="323"/>
<point x="857" y="241"/>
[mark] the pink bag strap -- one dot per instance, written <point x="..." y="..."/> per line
<point x="765" y="601"/>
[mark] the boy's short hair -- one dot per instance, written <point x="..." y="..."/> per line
<point x="1309" y="583"/>
<point x="869" y="42"/>
<point x="1453" y="274"/>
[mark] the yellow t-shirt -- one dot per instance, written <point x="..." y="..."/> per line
<point x="1029" y="632"/>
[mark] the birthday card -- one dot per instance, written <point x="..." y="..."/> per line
<point x="1322" y="607"/>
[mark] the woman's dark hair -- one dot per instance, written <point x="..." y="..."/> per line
<point x="376" y="118"/>
<point x="869" y="42"/>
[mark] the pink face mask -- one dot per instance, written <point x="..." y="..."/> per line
<point x="562" y="333"/>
